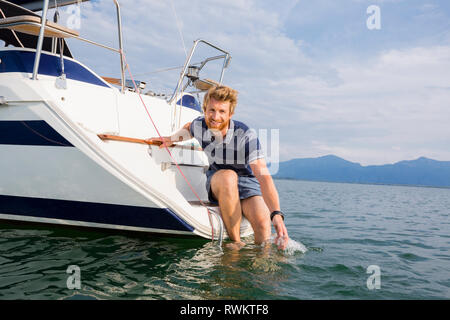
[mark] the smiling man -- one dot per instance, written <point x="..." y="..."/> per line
<point x="238" y="178"/>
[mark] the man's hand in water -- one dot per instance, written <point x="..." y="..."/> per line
<point x="282" y="236"/>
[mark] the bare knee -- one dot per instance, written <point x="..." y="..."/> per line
<point x="224" y="181"/>
<point x="262" y="224"/>
<point x="226" y="175"/>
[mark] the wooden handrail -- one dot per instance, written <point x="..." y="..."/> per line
<point x="143" y="141"/>
<point x="205" y="84"/>
<point x="115" y="81"/>
<point x="128" y="83"/>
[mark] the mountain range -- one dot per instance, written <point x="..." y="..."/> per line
<point x="419" y="172"/>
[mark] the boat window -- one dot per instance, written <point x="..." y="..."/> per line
<point x="189" y="102"/>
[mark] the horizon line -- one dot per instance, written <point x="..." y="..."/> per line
<point x="365" y="165"/>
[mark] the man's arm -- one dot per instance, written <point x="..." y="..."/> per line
<point x="268" y="189"/>
<point x="183" y="134"/>
<point x="270" y="196"/>
<point x="178" y="136"/>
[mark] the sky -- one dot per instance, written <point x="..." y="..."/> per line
<point x="316" y="71"/>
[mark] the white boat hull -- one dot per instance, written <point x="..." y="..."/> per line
<point x="55" y="169"/>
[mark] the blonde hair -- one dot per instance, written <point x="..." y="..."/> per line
<point x="223" y="94"/>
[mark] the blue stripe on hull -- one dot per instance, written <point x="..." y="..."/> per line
<point x="120" y="215"/>
<point x="23" y="61"/>
<point x="33" y="132"/>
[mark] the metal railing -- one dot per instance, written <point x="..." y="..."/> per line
<point x="226" y="61"/>
<point x="37" y="57"/>
<point x="41" y="40"/>
<point x="225" y="56"/>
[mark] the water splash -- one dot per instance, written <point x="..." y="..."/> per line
<point x="292" y="247"/>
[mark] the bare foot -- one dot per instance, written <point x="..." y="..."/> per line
<point x="235" y="245"/>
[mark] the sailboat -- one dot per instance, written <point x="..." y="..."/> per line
<point x="73" y="148"/>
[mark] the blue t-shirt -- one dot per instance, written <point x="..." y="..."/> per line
<point x="235" y="151"/>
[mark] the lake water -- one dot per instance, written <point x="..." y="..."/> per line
<point x="403" y="233"/>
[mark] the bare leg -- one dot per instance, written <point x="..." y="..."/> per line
<point x="257" y="213"/>
<point x="224" y="185"/>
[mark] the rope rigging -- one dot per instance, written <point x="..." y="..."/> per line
<point x="167" y="149"/>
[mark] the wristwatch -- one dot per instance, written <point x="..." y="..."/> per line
<point x="274" y="213"/>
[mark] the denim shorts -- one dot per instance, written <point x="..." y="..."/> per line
<point x="248" y="186"/>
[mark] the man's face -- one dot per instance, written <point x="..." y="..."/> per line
<point x="217" y="114"/>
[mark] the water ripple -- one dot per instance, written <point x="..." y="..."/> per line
<point x="401" y="230"/>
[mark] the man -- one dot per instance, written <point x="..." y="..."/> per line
<point x="238" y="178"/>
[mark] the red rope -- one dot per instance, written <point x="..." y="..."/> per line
<point x="165" y="146"/>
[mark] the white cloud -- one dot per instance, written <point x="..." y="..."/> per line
<point x="392" y="108"/>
